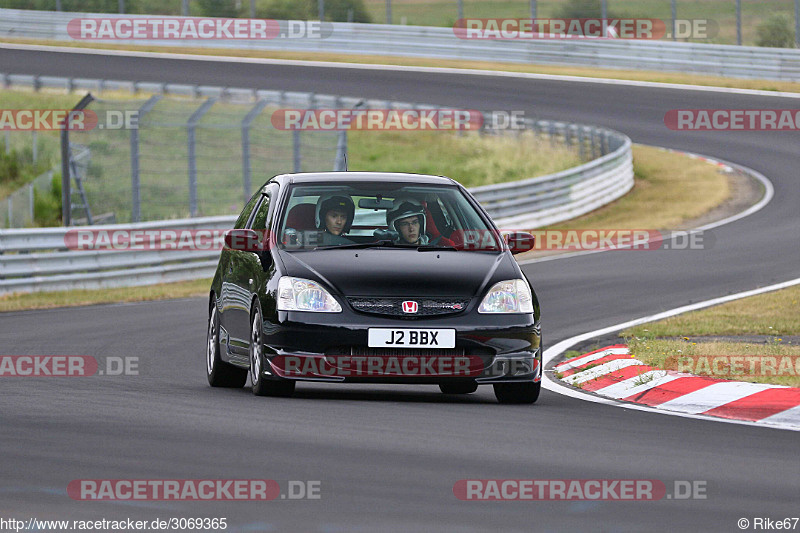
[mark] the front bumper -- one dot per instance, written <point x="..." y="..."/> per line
<point x="318" y="347"/>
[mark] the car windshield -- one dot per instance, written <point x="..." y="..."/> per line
<point x="400" y="216"/>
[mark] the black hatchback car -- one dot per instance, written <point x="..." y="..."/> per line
<point x="372" y="277"/>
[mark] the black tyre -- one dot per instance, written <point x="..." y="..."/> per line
<point x="517" y="392"/>
<point x="458" y="387"/>
<point x="220" y="373"/>
<point x="261" y="386"/>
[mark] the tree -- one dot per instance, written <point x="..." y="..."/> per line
<point x="776" y="32"/>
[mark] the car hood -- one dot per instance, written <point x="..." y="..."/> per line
<point x="387" y="272"/>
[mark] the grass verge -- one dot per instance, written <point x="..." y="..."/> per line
<point x="74" y="298"/>
<point x="765" y="314"/>
<point x="774" y="363"/>
<point x="670" y="189"/>
<point x="583" y="72"/>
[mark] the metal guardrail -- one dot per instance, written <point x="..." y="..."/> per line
<point x="434" y="42"/>
<point x="38" y="259"/>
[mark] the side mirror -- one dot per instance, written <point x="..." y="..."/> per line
<point x="519" y="241"/>
<point x="243" y="240"/>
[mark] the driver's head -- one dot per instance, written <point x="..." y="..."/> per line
<point x="407" y="218"/>
<point x="334" y="214"/>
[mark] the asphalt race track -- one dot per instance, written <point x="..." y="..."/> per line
<point x="388" y="456"/>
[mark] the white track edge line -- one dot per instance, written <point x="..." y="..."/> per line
<point x="405" y="68"/>
<point x="554" y="385"/>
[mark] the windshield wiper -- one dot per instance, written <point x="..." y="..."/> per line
<point x="357" y="245"/>
<point x="435" y="248"/>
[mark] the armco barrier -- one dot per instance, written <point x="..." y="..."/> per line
<point x="37" y="259"/>
<point x="434" y="42"/>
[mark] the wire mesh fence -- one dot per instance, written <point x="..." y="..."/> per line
<point x="167" y="157"/>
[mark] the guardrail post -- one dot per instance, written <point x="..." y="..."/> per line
<point x="136" y="205"/>
<point x="8" y="141"/>
<point x="461" y="9"/>
<point x="35" y="146"/>
<point x="10" y="207"/>
<point x="321" y="9"/>
<point x="581" y="147"/>
<point x="58" y="5"/>
<point x="185" y="8"/>
<point x="246" y="167"/>
<point x="192" y="130"/>
<point x="388" y="11"/>
<point x="533" y="9"/>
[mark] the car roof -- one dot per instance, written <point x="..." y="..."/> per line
<point x="378" y="177"/>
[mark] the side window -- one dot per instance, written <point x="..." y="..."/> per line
<point x="260" y="220"/>
<point x="248" y="208"/>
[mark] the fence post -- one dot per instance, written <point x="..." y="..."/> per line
<point x="30" y="200"/>
<point x="296" y="150"/>
<point x="66" y="156"/>
<point x="10" y="207"/>
<point x="136" y="202"/>
<point x="388" y="11"/>
<point x="35" y="148"/>
<point x="121" y="7"/>
<point x="191" y="129"/>
<point x="674" y="16"/>
<point x="246" y="166"/>
<point x="8" y="141"/>
<point x="340" y="164"/>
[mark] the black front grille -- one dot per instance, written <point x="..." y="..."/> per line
<point x="396" y="352"/>
<point x="394" y="306"/>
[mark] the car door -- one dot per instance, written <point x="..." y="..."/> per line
<point x="244" y="272"/>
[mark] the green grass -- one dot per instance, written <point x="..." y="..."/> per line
<point x="770" y="314"/>
<point x="773" y="313"/>
<point x="669" y="190"/>
<point x="682" y="355"/>
<point x="470" y="159"/>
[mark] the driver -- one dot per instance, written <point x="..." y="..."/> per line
<point x="407" y="218"/>
<point x="334" y="217"/>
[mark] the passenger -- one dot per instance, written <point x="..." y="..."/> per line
<point x="334" y="217"/>
<point x="407" y="218"/>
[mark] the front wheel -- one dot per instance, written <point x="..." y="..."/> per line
<point x="519" y="393"/>
<point x="218" y="372"/>
<point x="261" y="386"/>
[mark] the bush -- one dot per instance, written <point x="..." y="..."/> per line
<point x="10" y="170"/>
<point x="580" y="9"/>
<point x="337" y="10"/>
<point x="283" y="10"/>
<point x="218" y="8"/>
<point x="47" y="204"/>
<point x="776" y="32"/>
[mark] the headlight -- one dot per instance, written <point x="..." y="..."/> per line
<point x="510" y="296"/>
<point x="297" y="294"/>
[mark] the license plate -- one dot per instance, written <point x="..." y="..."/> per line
<point x="411" y="338"/>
